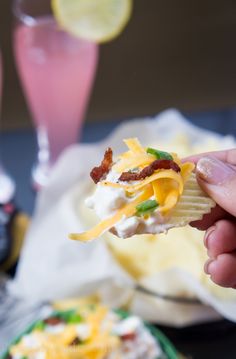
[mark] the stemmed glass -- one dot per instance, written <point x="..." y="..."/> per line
<point x="57" y="71"/>
<point x="7" y="185"/>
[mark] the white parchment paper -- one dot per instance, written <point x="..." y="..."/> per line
<point x="53" y="267"/>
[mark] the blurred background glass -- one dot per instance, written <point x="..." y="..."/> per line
<point x="56" y="71"/>
<point x="172" y="53"/>
<point x="7" y="186"/>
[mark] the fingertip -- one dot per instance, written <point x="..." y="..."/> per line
<point x="222" y="270"/>
<point x="209" y="235"/>
<point x="207" y="266"/>
<point x="221" y="238"/>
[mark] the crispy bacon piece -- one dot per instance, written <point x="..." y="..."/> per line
<point x="75" y="341"/>
<point x="149" y="170"/>
<point x="53" y="321"/>
<point x="99" y="172"/>
<point x="128" y="336"/>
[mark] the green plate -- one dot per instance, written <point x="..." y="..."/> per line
<point x="166" y="345"/>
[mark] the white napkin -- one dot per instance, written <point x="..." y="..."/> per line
<point x="53" y="267"/>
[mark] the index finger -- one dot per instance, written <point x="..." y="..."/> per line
<point x="217" y="213"/>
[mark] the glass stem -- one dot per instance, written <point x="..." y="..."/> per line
<point x="43" y="146"/>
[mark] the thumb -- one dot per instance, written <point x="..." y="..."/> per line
<point x="218" y="180"/>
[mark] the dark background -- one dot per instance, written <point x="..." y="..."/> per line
<point x="172" y="54"/>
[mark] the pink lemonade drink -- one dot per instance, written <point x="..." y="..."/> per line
<point x="57" y="72"/>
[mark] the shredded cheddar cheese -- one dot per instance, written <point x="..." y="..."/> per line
<point x="165" y="185"/>
<point x="165" y="174"/>
<point x="130" y="160"/>
<point x="135" y="157"/>
<point x="134" y="145"/>
<point x="127" y="211"/>
<point x="167" y="193"/>
<point x="58" y="345"/>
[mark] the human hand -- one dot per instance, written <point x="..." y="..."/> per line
<point x="216" y="174"/>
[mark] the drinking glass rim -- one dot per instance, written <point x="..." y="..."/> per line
<point x="22" y="16"/>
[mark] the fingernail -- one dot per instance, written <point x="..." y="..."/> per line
<point x="213" y="171"/>
<point x="208" y="266"/>
<point x="208" y="235"/>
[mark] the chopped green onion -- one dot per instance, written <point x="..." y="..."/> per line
<point x="74" y="319"/>
<point x="146" y="207"/>
<point x="160" y="155"/>
<point x="40" y="325"/>
<point x="69" y="316"/>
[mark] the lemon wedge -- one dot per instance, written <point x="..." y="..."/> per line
<point x="94" y="20"/>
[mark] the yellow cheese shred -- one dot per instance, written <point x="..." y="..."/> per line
<point x="131" y="160"/>
<point x="165" y="174"/>
<point x="186" y="170"/>
<point x="161" y="188"/>
<point x="57" y="345"/>
<point x="135" y="157"/>
<point x="134" y="145"/>
<point x="127" y="211"/>
<point x="165" y="184"/>
<point x="170" y="201"/>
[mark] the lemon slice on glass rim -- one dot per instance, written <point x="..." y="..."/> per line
<point x="94" y="20"/>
